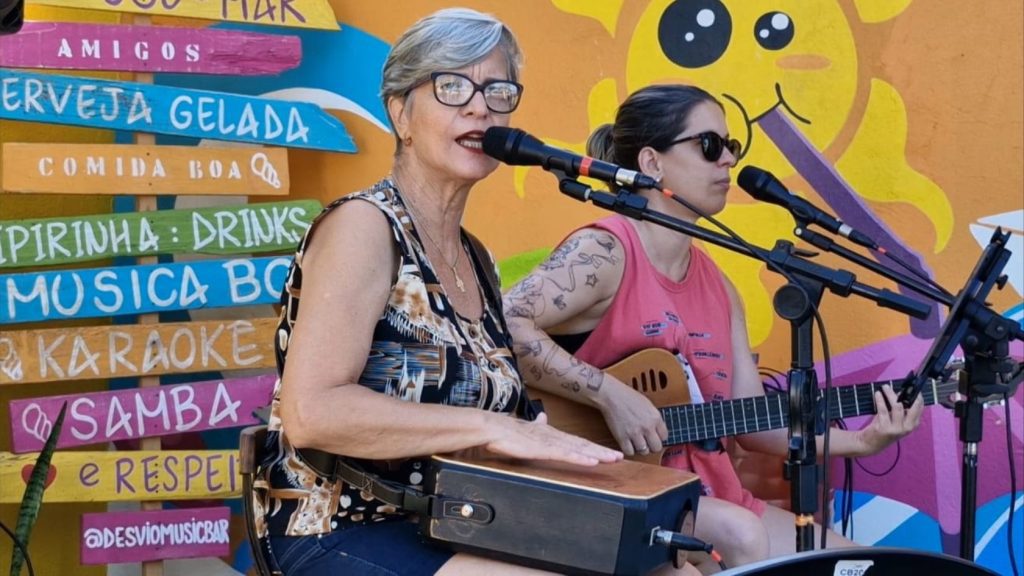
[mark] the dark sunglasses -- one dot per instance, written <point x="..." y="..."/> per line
<point x="452" y="89"/>
<point x="711" y="145"/>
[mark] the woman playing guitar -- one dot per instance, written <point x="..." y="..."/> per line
<point x="618" y="286"/>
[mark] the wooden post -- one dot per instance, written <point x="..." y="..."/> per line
<point x="145" y="204"/>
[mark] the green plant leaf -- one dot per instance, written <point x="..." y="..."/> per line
<point x="33" y="497"/>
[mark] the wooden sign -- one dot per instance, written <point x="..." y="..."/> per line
<point x="149" y="170"/>
<point x="94" y="103"/>
<point x="291" y="13"/>
<point x="126" y="290"/>
<point x="116" y="537"/>
<point x="139" y="412"/>
<point x="238" y="229"/>
<point x="143" y="475"/>
<point x="135" y="350"/>
<point x="73" y="46"/>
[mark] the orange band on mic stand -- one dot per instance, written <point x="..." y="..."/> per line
<point x="585" y="166"/>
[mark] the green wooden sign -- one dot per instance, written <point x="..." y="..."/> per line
<point x="239" y="229"/>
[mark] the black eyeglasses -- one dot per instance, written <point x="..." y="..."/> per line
<point x="452" y="89"/>
<point x="711" y="145"/>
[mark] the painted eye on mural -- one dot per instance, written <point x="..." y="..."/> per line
<point x="695" y="33"/>
<point x="774" y="30"/>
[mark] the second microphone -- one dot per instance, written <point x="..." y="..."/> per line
<point x="517" y="148"/>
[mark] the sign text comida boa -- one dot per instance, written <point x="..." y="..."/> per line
<point x="94" y="103"/>
<point x="139" y="169"/>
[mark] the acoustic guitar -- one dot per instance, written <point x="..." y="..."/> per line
<point x="658" y="375"/>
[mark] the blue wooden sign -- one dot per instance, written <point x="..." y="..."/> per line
<point x="185" y="112"/>
<point x="123" y="290"/>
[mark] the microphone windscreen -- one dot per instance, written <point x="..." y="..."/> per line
<point x="497" y="142"/>
<point x="752" y="179"/>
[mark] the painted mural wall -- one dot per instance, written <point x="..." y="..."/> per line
<point x="905" y="118"/>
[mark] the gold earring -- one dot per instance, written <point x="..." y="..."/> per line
<point x="407" y="141"/>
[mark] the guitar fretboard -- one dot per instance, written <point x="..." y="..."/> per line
<point x="698" y="422"/>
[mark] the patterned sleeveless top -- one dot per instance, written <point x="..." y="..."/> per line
<point x="422" y="351"/>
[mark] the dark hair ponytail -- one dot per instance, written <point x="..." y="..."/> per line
<point x="652" y="116"/>
<point x="601" y="144"/>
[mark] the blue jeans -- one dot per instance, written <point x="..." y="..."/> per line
<point x="383" y="549"/>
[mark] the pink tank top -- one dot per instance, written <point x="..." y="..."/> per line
<point x="691" y="318"/>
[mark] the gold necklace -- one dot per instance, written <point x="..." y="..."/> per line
<point x="453" y="266"/>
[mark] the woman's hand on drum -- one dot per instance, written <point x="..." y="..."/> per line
<point x="537" y="440"/>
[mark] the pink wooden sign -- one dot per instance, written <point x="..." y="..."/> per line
<point x="113" y="537"/>
<point x="139" y="412"/>
<point x="72" y="46"/>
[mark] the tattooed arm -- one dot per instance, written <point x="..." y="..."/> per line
<point x="568" y="294"/>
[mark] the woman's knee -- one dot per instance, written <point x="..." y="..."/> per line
<point x="735" y="531"/>
<point x="750" y="535"/>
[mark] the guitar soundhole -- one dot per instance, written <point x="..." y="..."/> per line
<point x="650" y="380"/>
<point x="640" y="382"/>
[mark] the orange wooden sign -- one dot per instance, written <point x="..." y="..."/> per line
<point x="134" y="169"/>
<point x="33" y="356"/>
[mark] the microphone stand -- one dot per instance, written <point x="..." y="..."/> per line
<point x="794" y="302"/>
<point x="829" y="245"/>
<point x="984" y="337"/>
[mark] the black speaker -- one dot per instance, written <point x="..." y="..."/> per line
<point x="12" y="16"/>
<point x="554" y="516"/>
<point x="862" y="562"/>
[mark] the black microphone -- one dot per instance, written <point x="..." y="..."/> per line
<point x="765" y="187"/>
<point x="517" y="148"/>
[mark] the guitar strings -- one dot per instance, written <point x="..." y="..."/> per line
<point x="709" y="418"/>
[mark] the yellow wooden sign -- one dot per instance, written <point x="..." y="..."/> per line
<point x="122" y="476"/>
<point x="30" y="356"/>
<point x="290" y="13"/>
<point x="131" y="169"/>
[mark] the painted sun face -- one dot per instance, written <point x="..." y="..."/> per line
<point x="754" y="55"/>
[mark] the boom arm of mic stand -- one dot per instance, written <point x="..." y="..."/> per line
<point x="827" y="244"/>
<point x="839" y="282"/>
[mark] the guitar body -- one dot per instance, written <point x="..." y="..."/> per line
<point x="653" y="372"/>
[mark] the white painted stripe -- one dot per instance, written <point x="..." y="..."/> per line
<point x="878" y="517"/>
<point x="994" y="528"/>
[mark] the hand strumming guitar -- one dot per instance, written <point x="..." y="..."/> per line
<point x="633" y="420"/>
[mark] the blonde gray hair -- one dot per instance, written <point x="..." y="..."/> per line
<point x="448" y="39"/>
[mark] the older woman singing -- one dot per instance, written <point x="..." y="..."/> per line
<point x="400" y="350"/>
